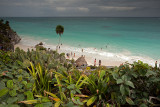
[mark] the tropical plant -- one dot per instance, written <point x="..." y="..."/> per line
<point x="42" y="79"/>
<point x="98" y="88"/>
<point x="59" y="31"/>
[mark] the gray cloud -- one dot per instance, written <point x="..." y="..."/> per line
<point x="107" y="8"/>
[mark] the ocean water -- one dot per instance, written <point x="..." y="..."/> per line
<point x="126" y="38"/>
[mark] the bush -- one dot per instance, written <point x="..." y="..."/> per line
<point x="39" y="78"/>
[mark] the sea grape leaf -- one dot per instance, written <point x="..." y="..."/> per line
<point x="3" y="92"/>
<point x="24" y="82"/>
<point x="29" y="95"/>
<point x="153" y="79"/>
<point x="9" y="75"/>
<point x="20" y="97"/>
<point x="134" y="74"/>
<point x="115" y="75"/>
<point x="124" y="78"/>
<point x="29" y="85"/>
<point x="20" y="78"/>
<point x="129" y="101"/>
<point x="10" y="84"/>
<point x="12" y="93"/>
<point x="12" y="100"/>
<point x="122" y="89"/>
<point x="129" y="83"/>
<point x="15" y="87"/>
<point x="119" y="81"/>
<point x="150" y="73"/>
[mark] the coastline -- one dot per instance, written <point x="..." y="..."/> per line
<point x="107" y="58"/>
<point x="89" y="57"/>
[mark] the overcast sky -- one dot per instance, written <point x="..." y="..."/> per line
<point x="73" y="8"/>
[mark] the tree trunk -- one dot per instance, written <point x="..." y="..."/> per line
<point x="59" y="40"/>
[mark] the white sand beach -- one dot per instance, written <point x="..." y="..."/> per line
<point x="107" y="58"/>
<point x="90" y="57"/>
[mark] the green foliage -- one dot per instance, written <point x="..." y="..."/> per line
<point x="45" y="78"/>
<point x="59" y="29"/>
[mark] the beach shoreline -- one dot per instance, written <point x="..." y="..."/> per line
<point x="107" y="58"/>
<point x="88" y="57"/>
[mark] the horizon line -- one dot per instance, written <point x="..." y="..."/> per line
<point x="70" y="17"/>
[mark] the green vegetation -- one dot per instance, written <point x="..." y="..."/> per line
<point x="59" y="31"/>
<point x="44" y="78"/>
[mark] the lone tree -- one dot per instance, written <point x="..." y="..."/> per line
<point x="59" y="31"/>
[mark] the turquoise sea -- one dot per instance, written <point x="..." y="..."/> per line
<point x="132" y="37"/>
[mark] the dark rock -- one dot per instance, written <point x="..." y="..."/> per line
<point x="8" y="37"/>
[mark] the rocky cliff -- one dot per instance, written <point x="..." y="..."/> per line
<point x="8" y="37"/>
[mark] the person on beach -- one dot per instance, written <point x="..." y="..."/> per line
<point x="95" y="62"/>
<point x="82" y="50"/>
<point x="59" y="47"/>
<point x="101" y="49"/>
<point x="121" y="64"/>
<point x="56" y="48"/>
<point x="74" y="54"/>
<point x="61" y="43"/>
<point x="67" y="55"/>
<point x="99" y="62"/>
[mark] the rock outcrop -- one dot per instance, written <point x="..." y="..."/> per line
<point x="8" y="37"/>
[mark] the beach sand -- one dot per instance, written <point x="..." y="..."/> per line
<point x="90" y="57"/>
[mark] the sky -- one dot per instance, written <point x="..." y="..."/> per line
<point x="79" y="8"/>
